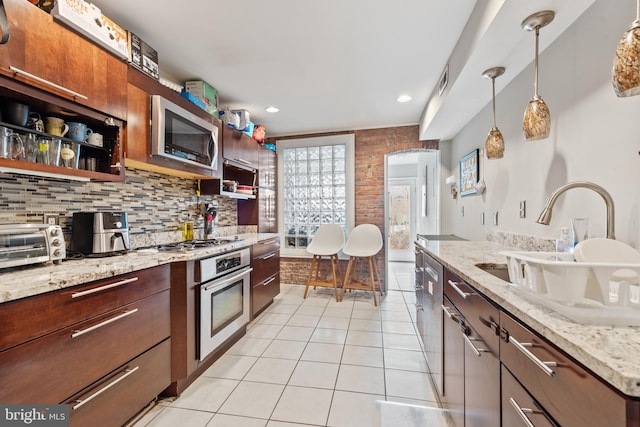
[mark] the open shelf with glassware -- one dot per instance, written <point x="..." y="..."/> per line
<point x="31" y="148"/>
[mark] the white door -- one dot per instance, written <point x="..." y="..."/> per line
<point x="401" y="204"/>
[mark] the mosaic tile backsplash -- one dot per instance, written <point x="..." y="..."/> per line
<point x="157" y="205"/>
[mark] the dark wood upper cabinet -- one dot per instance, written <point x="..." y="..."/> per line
<point x="240" y="147"/>
<point x="47" y="55"/>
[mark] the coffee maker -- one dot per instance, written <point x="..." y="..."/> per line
<point x="100" y="233"/>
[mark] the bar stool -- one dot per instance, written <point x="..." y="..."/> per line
<point x="365" y="241"/>
<point x="327" y="242"/>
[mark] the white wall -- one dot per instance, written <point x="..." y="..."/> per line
<point x="595" y="136"/>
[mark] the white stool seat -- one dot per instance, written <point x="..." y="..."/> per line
<point x="329" y="239"/>
<point x="327" y="242"/>
<point x="364" y="241"/>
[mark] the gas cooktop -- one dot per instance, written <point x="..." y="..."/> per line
<point x="190" y="245"/>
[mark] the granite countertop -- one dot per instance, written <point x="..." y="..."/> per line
<point x="34" y="280"/>
<point x="611" y="352"/>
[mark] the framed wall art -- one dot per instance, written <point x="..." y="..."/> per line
<point x="469" y="172"/>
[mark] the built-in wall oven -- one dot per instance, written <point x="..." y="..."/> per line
<point x="224" y="282"/>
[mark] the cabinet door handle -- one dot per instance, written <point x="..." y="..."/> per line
<point x="431" y="272"/>
<point x="103" y="288"/>
<point x="522" y="412"/>
<point x="81" y="402"/>
<point x="419" y="307"/>
<point x="459" y="291"/>
<point x="228" y="280"/>
<point x="419" y="270"/>
<point x="419" y="288"/>
<point x="47" y="82"/>
<point x="76" y="334"/>
<point x="476" y="350"/>
<point x="545" y="366"/>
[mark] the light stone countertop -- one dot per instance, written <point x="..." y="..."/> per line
<point x="34" y="280"/>
<point x="611" y="352"/>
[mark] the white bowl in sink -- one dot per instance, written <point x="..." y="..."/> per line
<point x="606" y="250"/>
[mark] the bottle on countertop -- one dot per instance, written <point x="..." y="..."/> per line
<point x="564" y="243"/>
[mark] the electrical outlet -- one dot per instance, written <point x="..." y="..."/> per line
<point x="523" y="209"/>
<point x="495" y="219"/>
<point x="51" y="219"/>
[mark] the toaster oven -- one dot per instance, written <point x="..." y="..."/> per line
<point x="23" y="244"/>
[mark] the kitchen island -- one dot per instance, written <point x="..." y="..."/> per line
<point x="606" y="355"/>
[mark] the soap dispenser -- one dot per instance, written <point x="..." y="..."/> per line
<point x="564" y="243"/>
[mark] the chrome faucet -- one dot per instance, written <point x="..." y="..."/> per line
<point x="545" y="215"/>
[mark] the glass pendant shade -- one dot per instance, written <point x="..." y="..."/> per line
<point x="494" y="146"/>
<point x="537" y="120"/>
<point x="626" y="64"/>
<point x="536" y="123"/>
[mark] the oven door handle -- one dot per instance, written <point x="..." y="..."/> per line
<point x="228" y="279"/>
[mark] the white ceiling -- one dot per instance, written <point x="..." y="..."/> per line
<point x="336" y="65"/>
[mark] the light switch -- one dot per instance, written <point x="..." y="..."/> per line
<point x="523" y="209"/>
<point x="482" y="218"/>
<point x="462" y="211"/>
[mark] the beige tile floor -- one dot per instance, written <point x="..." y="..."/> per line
<point x="315" y="362"/>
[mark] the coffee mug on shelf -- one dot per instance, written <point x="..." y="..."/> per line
<point x="56" y="126"/>
<point x="15" y="113"/>
<point x="96" y="139"/>
<point x="79" y="131"/>
<point x="11" y="144"/>
<point x="35" y="122"/>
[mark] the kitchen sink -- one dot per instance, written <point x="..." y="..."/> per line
<point x="498" y="270"/>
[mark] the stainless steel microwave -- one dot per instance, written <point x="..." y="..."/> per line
<point x="181" y="135"/>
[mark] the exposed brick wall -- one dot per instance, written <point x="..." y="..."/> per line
<point x="371" y="145"/>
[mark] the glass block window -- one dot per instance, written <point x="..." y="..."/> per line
<point x="314" y="188"/>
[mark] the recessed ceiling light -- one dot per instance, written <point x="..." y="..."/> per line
<point x="272" y="109"/>
<point x="404" y="98"/>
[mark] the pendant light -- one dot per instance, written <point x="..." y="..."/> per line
<point x="626" y="64"/>
<point x="537" y="119"/>
<point x="494" y="146"/>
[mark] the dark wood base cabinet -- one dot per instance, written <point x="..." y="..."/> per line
<point x="102" y="347"/>
<point x="120" y="395"/>
<point x="472" y="349"/>
<point x="499" y="372"/>
<point x="265" y="277"/>
<point x="568" y="392"/>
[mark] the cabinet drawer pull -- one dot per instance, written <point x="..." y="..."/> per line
<point x="271" y="255"/>
<point x="459" y="291"/>
<point x="419" y="288"/>
<point x="47" y="82"/>
<point x="269" y="281"/>
<point x="522" y="412"/>
<point x="545" y="366"/>
<point x="476" y="350"/>
<point x="103" y="288"/>
<point x="246" y="162"/>
<point x="81" y="402"/>
<point x="101" y="324"/>
<point x="452" y="316"/>
<point x="419" y="270"/>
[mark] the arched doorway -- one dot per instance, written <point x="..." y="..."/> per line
<point x="411" y="207"/>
